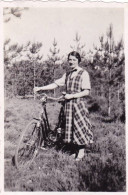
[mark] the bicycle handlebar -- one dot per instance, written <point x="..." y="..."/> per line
<point x="44" y="97"/>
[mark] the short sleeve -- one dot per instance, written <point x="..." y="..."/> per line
<point x="86" y="81"/>
<point x="61" y="82"/>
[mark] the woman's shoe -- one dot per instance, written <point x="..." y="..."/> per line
<point x="80" y="155"/>
<point x="73" y="156"/>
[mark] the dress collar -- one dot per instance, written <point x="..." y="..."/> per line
<point x="75" y="69"/>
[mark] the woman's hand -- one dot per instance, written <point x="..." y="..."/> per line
<point x="36" y="89"/>
<point x="68" y="96"/>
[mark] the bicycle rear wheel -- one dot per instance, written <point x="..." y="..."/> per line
<point x="28" y="145"/>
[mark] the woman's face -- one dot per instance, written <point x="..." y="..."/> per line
<point x="73" y="62"/>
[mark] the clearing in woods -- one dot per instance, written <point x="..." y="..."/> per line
<point x="102" y="170"/>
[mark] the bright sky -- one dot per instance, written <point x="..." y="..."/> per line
<point x="45" y="24"/>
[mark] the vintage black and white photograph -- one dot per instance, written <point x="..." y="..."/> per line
<point x="64" y="94"/>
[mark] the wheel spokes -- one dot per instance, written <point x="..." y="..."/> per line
<point x="28" y="146"/>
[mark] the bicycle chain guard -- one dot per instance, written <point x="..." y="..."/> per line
<point x="55" y="135"/>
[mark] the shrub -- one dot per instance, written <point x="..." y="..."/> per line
<point x="102" y="174"/>
<point x="98" y="105"/>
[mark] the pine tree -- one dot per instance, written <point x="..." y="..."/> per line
<point x="34" y="57"/>
<point x="10" y="12"/>
<point x="11" y="52"/>
<point x="54" y="59"/>
<point x="11" y="55"/>
<point x="78" y="46"/>
<point x="109" y="61"/>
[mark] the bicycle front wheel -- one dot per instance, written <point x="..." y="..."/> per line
<point x="28" y="145"/>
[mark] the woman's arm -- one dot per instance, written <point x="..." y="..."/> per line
<point x="78" y="95"/>
<point x="57" y="83"/>
<point x="47" y="87"/>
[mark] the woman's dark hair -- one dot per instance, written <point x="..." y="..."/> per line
<point x="76" y="54"/>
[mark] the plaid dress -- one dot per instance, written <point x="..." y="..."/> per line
<point x="78" y="127"/>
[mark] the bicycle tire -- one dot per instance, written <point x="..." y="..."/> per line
<point x="28" y="145"/>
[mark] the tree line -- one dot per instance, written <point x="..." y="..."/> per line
<point x="25" y="68"/>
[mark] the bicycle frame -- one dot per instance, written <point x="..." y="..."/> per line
<point x="51" y="137"/>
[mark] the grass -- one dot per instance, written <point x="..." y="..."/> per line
<point x="102" y="169"/>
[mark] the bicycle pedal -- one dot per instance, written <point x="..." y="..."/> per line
<point x="43" y="148"/>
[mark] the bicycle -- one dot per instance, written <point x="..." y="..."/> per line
<point x="38" y="134"/>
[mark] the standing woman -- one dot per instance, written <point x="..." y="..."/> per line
<point x="78" y="127"/>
